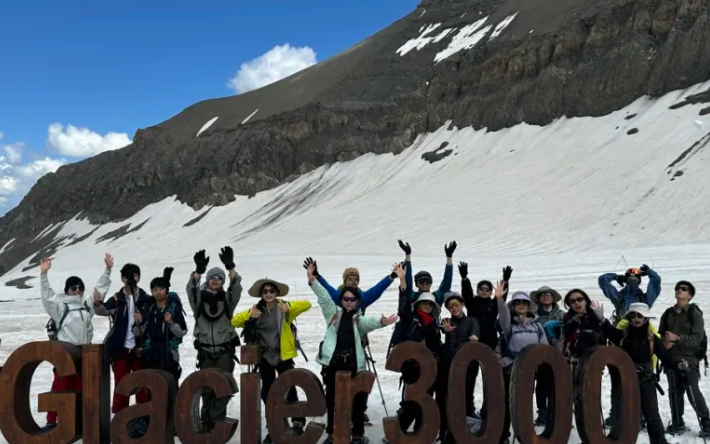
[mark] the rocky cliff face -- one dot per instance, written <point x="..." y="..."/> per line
<point x="480" y="63"/>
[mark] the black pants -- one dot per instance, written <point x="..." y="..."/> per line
<point x="267" y="372"/>
<point x="543" y="390"/>
<point x="649" y="409"/>
<point x="410" y="412"/>
<point x="344" y="362"/>
<point x="680" y="382"/>
<point x="506" y="417"/>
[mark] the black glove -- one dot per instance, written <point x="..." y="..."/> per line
<point x="227" y="258"/>
<point x="507" y="273"/>
<point x="620" y="279"/>
<point x="644" y="270"/>
<point x="201" y="262"/>
<point x="463" y="270"/>
<point x="405" y="247"/>
<point x="450" y="249"/>
<point x="309" y="261"/>
<point x="167" y="273"/>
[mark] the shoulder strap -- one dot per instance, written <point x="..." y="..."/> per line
<point x="64" y="316"/>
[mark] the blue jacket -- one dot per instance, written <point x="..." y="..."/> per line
<point x="444" y="288"/>
<point x="622" y="299"/>
<point x="367" y="297"/>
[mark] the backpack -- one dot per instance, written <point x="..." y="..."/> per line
<point x="52" y="327"/>
<point x="503" y="344"/>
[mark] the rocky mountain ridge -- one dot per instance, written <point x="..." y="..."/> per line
<point x="553" y="58"/>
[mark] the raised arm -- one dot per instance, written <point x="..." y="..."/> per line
<point x="192" y="289"/>
<point x="49" y="297"/>
<point x="466" y="289"/>
<point x="448" y="272"/>
<point x="408" y="265"/>
<point x="371" y="295"/>
<point x="327" y="305"/>
<point x="404" y="309"/>
<point x="234" y="291"/>
<point x="653" y="290"/>
<point x="103" y="284"/>
<point x="503" y="313"/>
<point x="334" y="293"/>
<point x="607" y="287"/>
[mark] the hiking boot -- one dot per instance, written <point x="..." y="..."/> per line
<point x="678" y="429"/>
<point x="541" y="418"/>
<point x="704" y="432"/>
<point x="267" y="440"/>
<point x="360" y="439"/>
<point x="298" y="427"/>
<point x="48" y="427"/>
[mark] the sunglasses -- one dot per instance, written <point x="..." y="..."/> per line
<point x="682" y="288"/>
<point x="216" y="277"/>
<point x="636" y="316"/>
<point x="454" y="304"/>
<point x="424" y="281"/>
<point x="349" y="299"/>
<point x="520" y="302"/>
<point x="76" y="288"/>
<point x="268" y="291"/>
<point x="484" y="289"/>
<point x="576" y="300"/>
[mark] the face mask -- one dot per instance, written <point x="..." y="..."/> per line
<point x="633" y="282"/>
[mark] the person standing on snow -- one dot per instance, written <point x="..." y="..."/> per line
<point x="484" y="309"/>
<point x="547" y="310"/>
<point x="269" y="323"/>
<point x="637" y="337"/>
<point x="160" y="327"/>
<point x="683" y="330"/>
<point x="72" y="314"/>
<point x="631" y="289"/>
<point x="125" y="351"/>
<point x="341" y="349"/>
<point x="581" y="328"/>
<point x="215" y="338"/>
<point x="458" y="330"/>
<point x="519" y="328"/>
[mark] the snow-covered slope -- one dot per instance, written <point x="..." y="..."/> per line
<point x="561" y="204"/>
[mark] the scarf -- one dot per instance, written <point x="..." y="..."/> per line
<point x="425" y="317"/>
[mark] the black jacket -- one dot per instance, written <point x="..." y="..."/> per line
<point x="465" y="328"/>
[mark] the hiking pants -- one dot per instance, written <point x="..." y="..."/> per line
<point x="214" y="409"/>
<point x="71" y="382"/>
<point x="649" y="409"/>
<point x="127" y="363"/>
<point x="338" y="363"/>
<point x="267" y="372"/>
<point x="680" y="382"/>
<point x="506" y="418"/>
<point x="543" y="390"/>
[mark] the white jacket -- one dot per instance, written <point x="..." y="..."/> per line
<point x="77" y="327"/>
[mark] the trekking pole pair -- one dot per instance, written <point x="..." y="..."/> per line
<point x="371" y="364"/>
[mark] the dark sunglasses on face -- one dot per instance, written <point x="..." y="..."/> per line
<point x="575" y="300"/>
<point x="682" y="288"/>
<point x="520" y="302"/>
<point x="424" y="281"/>
<point x="454" y="304"/>
<point x="349" y="299"/>
<point x="484" y="289"/>
<point x="216" y="277"/>
<point x="636" y="316"/>
<point x="76" y="288"/>
<point x="268" y="291"/>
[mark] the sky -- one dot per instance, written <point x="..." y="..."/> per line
<point x="79" y="77"/>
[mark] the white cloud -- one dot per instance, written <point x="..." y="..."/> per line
<point x="278" y="63"/>
<point x="38" y="168"/>
<point x="8" y="185"/>
<point x="14" y="153"/>
<point x="82" y="142"/>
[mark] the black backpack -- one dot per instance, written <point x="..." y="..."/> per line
<point x="53" y="329"/>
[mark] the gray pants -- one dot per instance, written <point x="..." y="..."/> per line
<point x="214" y="409"/>
<point x="680" y="383"/>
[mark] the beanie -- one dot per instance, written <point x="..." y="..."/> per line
<point x="350" y="271"/>
<point x="72" y="281"/>
<point x="691" y="287"/>
<point x="422" y="274"/>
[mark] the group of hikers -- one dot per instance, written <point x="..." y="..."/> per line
<point x="147" y="331"/>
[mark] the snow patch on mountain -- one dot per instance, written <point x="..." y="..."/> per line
<point x="207" y="125"/>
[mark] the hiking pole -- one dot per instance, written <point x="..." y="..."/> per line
<point x="368" y="357"/>
<point x="691" y="397"/>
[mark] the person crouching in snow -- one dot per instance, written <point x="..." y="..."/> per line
<point x="547" y="310"/>
<point x="421" y="319"/>
<point x="160" y="327"/>
<point x="520" y="329"/>
<point x="71" y="315"/>
<point x="458" y="330"/>
<point x="215" y="338"/>
<point x="341" y="349"/>
<point x="269" y="322"/>
<point x="637" y="337"/>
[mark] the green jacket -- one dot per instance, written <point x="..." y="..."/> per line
<point x="689" y="325"/>
<point x="331" y="312"/>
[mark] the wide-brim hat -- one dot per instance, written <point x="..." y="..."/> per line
<point x="522" y="296"/>
<point x="430" y="298"/>
<point x="640" y="308"/>
<point x="255" y="290"/>
<point x="534" y="296"/>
